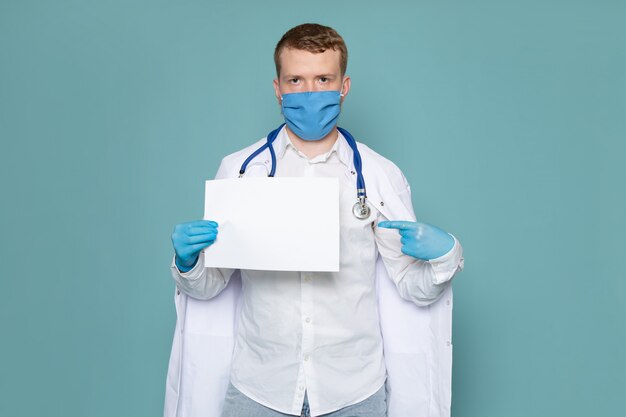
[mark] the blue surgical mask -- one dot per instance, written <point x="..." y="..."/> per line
<point x="311" y="115"/>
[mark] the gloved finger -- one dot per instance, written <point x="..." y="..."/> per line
<point x="409" y="233"/>
<point x="404" y="240"/>
<point x="197" y="223"/>
<point x="201" y="238"/>
<point x="200" y="230"/>
<point x="182" y="228"/>
<point x="409" y="251"/>
<point x="397" y="224"/>
<point x="198" y="247"/>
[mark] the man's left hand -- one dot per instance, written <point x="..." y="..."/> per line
<point x="421" y="240"/>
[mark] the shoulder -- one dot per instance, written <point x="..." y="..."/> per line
<point x="230" y="164"/>
<point x="380" y="165"/>
<point x="242" y="154"/>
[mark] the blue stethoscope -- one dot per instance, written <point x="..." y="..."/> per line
<point x="360" y="209"/>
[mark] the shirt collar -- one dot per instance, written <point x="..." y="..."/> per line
<point x="340" y="147"/>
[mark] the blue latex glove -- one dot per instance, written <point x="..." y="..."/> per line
<point x="421" y="240"/>
<point x="189" y="239"/>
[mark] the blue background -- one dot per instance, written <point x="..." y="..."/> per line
<point x="508" y="119"/>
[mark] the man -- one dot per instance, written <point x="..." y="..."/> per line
<point x="311" y="343"/>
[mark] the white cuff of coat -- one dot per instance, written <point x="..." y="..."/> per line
<point x="449" y="263"/>
<point x="194" y="273"/>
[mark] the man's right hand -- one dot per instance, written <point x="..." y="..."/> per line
<point x="189" y="239"/>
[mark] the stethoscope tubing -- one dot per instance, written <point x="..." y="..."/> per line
<point x="358" y="164"/>
<point x="268" y="144"/>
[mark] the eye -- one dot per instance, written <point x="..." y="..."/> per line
<point x="293" y="80"/>
<point x="324" y="79"/>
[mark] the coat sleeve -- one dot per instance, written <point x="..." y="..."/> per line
<point x="203" y="282"/>
<point x="419" y="281"/>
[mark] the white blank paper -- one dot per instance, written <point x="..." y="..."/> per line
<point x="277" y="224"/>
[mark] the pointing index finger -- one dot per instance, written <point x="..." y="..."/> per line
<point x="397" y="224"/>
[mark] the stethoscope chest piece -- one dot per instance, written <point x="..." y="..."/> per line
<point x="361" y="210"/>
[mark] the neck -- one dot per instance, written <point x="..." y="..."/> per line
<point x="312" y="148"/>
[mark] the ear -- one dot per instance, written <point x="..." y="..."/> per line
<point x="277" y="91"/>
<point x="346" y="87"/>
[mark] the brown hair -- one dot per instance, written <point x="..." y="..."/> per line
<point x="313" y="38"/>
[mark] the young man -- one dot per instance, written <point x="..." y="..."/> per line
<point x="310" y="343"/>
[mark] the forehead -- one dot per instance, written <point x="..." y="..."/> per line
<point x="305" y="63"/>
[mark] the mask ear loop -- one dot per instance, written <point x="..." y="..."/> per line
<point x="280" y="95"/>
<point x="340" y="95"/>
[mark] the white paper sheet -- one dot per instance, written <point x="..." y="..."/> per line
<point x="277" y="224"/>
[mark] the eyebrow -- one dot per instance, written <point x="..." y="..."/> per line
<point x="300" y="76"/>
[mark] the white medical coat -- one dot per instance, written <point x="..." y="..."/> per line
<point x="417" y="340"/>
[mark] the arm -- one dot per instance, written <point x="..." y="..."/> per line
<point x="188" y="270"/>
<point x="421" y="281"/>
<point x="201" y="282"/>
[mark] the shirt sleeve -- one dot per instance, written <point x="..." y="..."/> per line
<point x="419" y="281"/>
<point x="449" y="263"/>
<point x="201" y="282"/>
